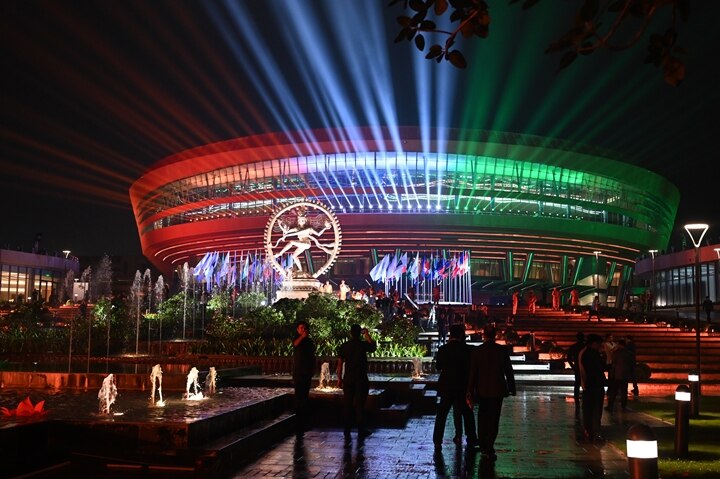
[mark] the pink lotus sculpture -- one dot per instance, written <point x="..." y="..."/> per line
<point x="25" y="408"/>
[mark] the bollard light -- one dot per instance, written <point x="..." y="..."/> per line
<point x="682" y="419"/>
<point x="682" y="393"/>
<point x="642" y="452"/>
<point x="694" y="379"/>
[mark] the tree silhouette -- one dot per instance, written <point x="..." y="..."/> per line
<point x="612" y="25"/>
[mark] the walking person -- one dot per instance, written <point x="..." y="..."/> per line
<point x="708" y="308"/>
<point x="574" y="300"/>
<point x="555" y="295"/>
<point x="491" y="380"/>
<point x="592" y="375"/>
<point x="442" y="324"/>
<point x="621" y="373"/>
<point x="352" y="356"/>
<point x="532" y="303"/>
<point x="572" y="359"/>
<point x="453" y="362"/>
<point x="595" y="308"/>
<point x="630" y="346"/>
<point x="303" y="370"/>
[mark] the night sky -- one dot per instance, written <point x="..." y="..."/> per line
<point x="95" y="92"/>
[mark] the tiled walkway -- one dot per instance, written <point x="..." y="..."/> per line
<point x="538" y="439"/>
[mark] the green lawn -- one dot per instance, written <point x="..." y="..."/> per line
<point x="703" y="459"/>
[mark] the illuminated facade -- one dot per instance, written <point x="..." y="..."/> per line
<point x="22" y="274"/>
<point x="531" y="210"/>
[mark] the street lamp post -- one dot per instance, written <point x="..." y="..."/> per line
<point x="597" y="266"/>
<point x="652" y="280"/>
<point x="697" y="230"/>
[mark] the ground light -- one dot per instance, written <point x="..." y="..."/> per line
<point x="694" y="380"/>
<point x="682" y="419"/>
<point x="642" y="452"/>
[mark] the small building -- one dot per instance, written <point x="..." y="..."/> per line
<point x="25" y="276"/>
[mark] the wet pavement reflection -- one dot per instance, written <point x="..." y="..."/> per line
<point x="539" y="438"/>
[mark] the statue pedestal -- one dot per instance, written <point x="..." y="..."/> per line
<point x="298" y="288"/>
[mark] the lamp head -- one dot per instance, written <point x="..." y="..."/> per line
<point x="696" y="229"/>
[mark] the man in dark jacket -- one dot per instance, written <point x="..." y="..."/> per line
<point x="303" y="370"/>
<point x="354" y="382"/>
<point x="572" y="359"/>
<point x="491" y="379"/>
<point x="453" y="362"/>
<point x="592" y="374"/>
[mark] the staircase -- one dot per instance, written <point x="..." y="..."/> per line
<point x="669" y="352"/>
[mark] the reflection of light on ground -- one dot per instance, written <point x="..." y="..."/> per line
<point x="327" y="389"/>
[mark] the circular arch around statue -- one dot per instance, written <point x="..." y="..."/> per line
<point x="298" y="227"/>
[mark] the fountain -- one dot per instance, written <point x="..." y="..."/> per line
<point x="417" y="368"/>
<point x="192" y="383"/>
<point x="211" y="381"/>
<point x="156" y="380"/>
<point x="107" y="394"/>
<point x="325" y="378"/>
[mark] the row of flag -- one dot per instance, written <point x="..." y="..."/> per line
<point x="420" y="268"/>
<point x="230" y="269"/>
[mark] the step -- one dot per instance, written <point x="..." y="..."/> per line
<point x="428" y="403"/>
<point x="228" y="452"/>
<point x="213" y="459"/>
<point x="394" y="416"/>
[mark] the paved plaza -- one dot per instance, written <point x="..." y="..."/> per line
<point x="539" y="438"/>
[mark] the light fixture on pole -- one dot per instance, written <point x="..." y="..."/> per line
<point x="597" y="265"/>
<point x="66" y="252"/>
<point x="697" y="231"/>
<point x="652" y="280"/>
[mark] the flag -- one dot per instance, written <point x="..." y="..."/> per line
<point x="390" y="271"/>
<point x="454" y="266"/>
<point x="222" y="270"/>
<point x="464" y="263"/>
<point x="233" y="272"/>
<point x="198" y="270"/>
<point x="415" y="268"/>
<point x="246" y="268"/>
<point x="377" y="273"/>
<point x="401" y="267"/>
<point x="403" y="264"/>
<point x="267" y="270"/>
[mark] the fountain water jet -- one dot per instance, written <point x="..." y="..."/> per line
<point x="192" y="383"/>
<point x="325" y="378"/>
<point x="417" y="368"/>
<point x="107" y="394"/>
<point x="156" y="380"/>
<point x="211" y="381"/>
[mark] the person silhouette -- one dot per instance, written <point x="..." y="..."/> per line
<point x="491" y="379"/>
<point x="353" y="377"/>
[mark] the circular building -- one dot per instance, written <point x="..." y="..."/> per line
<point x="529" y="210"/>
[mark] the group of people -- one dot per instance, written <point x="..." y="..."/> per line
<point x="590" y="358"/>
<point x="469" y="375"/>
<point x="531" y="300"/>
<point x="352" y="373"/>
